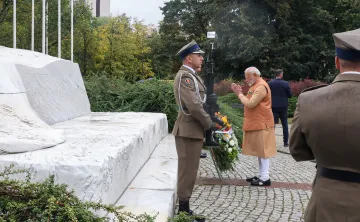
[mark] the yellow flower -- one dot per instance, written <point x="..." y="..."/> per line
<point x="224" y="119"/>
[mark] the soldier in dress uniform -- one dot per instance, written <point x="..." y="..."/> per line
<point x="326" y="128"/>
<point x="192" y="121"/>
<point x="203" y="154"/>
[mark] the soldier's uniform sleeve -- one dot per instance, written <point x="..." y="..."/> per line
<point x="191" y="101"/>
<point x="298" y="147"/>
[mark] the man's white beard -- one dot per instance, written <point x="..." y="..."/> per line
<point x="251" y="83"/>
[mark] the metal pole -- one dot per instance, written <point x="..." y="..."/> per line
<point x="72" y="30"/>
<point x="43" y="26"/>
<point x="47" y="28"/>
<point x="32" y="25"/>
<point x="211" y="99"/>
<point x="59" y="28"/>
<point x="14" y="24"/>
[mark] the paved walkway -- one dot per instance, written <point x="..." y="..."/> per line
<point x="232" y="199"/>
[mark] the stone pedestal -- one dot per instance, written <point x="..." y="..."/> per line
<point x="47" y="126"/>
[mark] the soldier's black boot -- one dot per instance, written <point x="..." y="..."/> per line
<point x="184" y="206"/>
<point x="203" y="155"/>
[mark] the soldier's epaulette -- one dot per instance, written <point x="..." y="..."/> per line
<point x="314" y="87"/>
<point x="186" y="75"/>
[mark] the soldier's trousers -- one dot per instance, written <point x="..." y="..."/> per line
<point x="188" y="151"/>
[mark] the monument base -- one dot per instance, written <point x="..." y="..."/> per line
<point x="102" y="155"/>
<point x="47" y="127"/>
<point x="154" y="189"/>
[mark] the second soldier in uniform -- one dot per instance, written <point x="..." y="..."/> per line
<point x="326" y="128"/>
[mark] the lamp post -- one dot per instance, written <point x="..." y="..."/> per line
<point x="59" y="28"/>
<point x="33" y="25"/>
<point x="211" y="106"/>
<point x="43" y="25"/>
<point x="211" y="96"/>
<point x="14" y="24"/>
<point x="72" y="30"/>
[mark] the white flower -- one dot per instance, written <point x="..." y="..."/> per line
<point x="227" y="146"/>
<point x="230" y="150"/>
<point x="231" y="143"/>
<point x="226" y="137"/>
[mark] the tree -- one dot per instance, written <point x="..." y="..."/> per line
<point x="124" y="49"/>
<point x="295" y="35"/>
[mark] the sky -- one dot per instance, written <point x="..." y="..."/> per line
<point x="146" y="10"/>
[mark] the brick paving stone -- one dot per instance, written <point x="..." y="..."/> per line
<point x="279" y="139"/>
<point x="246" y="203"/>
<point x="283" y="168"/>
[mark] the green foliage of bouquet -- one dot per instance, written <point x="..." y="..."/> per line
<point x="228" y="152"/>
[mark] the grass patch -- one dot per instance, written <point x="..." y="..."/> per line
<point x="290" y="120"/>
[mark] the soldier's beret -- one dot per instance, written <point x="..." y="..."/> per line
<point x="189" y="48"/>
<point x="347" y="45"/>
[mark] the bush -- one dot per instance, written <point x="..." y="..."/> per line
<point x="292" y="106"/>
<point x="183" y="217"/>
<point x="50" y="202"/>
<point x="229" y="99"/>
<point x="115" y="95"/>
<point x="235" y="117"/>
<point x="222" y="88"/>
<point x="298" y="87"/>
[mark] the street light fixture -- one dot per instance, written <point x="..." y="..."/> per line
<point x="211" y="106"/>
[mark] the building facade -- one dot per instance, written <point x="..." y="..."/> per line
<point x="100" y="7"/>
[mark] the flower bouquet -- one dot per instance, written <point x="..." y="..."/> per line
<point x="226" y="155"/>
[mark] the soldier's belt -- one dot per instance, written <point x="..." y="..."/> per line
<point x="340" y="175"/>
<point x="185" y="109"/>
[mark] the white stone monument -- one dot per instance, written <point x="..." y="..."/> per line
<point x="37" y="90"/>
<point x="47" y="126"/>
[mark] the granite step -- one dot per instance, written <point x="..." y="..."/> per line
<point x="154" y="188"/>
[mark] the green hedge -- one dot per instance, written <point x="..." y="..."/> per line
<point x="229" y="99"/>
<point x="235" y="116"/>
<point x="25" y="201"/>
<point x="292" y="106"/>
<point x="114" y="95"/>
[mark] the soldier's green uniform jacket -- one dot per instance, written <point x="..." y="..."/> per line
<point x="326" y="128"/>
<point x="192" y="118"/>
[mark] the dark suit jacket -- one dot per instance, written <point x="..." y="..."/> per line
<point x="280" y="92"/>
